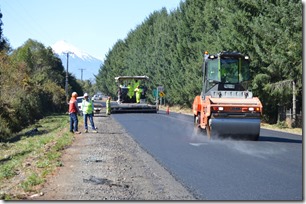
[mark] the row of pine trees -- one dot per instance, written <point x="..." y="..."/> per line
<point x="168" y="47"/>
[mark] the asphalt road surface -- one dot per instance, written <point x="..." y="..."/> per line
<point x="268" y="169"/>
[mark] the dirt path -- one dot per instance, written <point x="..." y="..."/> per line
<point x="110" y="165"/>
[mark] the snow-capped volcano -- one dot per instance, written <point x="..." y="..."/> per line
<point x="80" y="64"/>
<point x="62" y="46"/>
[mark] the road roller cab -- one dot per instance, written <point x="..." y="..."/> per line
<point x="226" y="107"/>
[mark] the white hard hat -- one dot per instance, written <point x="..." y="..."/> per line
<point x="85" y="94"/>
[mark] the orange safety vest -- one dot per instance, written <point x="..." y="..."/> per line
<point x="72" y="108"/>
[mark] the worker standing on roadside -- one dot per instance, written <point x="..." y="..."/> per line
<point x="138" y="91"/>
<point x="73" y="113"/>
<point x="108" y="106"/>
<point x="88" y="108"/>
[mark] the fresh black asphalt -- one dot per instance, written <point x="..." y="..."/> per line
<point x="268" y="169"/>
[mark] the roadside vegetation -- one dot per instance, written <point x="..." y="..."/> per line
<point x="31" y="86"/>
<point x="31" y="155"/>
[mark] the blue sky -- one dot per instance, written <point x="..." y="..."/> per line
<point x="93" y="26"/>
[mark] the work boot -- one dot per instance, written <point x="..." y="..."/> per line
<point x="77" y="132"/>
<point x="86" y="131"/>
<point x="95" y="131"/>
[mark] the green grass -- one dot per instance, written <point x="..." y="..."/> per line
<point x="8" y="171"/>
<point x="31" y="181"/>
<point x="30" y="158"/>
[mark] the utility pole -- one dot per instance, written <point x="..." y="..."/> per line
<point x="82" y="73"/>
<point x="66" y="84"/>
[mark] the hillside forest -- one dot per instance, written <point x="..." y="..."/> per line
<point x="168" y="47"/>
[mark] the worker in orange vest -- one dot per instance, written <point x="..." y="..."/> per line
<point x="73" y="113"/>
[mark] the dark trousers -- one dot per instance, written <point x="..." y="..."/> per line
<point x="90" y="116"/>
<point x="73" y="122"/>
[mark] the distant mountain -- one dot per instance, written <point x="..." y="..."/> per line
<point x="79" y="61"/>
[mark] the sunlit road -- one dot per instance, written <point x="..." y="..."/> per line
<point x="268" y="169"/>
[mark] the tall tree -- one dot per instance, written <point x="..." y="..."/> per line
<point x="2" y="41"/>
<point x="278" y="41"/>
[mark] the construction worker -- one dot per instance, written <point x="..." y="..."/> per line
<point x="88" y="108"/>
<point x="135" y="84"/>
<point x="73" y="113"/>
<point x="108" y="106"/>
<point x="138" y="91"/>
<point x="130" y="91"/>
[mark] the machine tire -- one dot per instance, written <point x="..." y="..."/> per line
<point x="208" y="131"/>
<point x="211" y="133"/>
<point x="196" y="123"/>
<point x="196" y="120"/>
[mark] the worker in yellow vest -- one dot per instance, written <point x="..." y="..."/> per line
<point x="135" y="84"/>
<point x="130" y="91"/>
<point x="88" y="108"/>
<point x="138" y="91"/>
<point x="108" y="106"/>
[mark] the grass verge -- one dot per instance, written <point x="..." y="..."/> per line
<point x="26" y="162"/>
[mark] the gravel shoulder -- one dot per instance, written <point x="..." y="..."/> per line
<point x="110" y="165"/>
